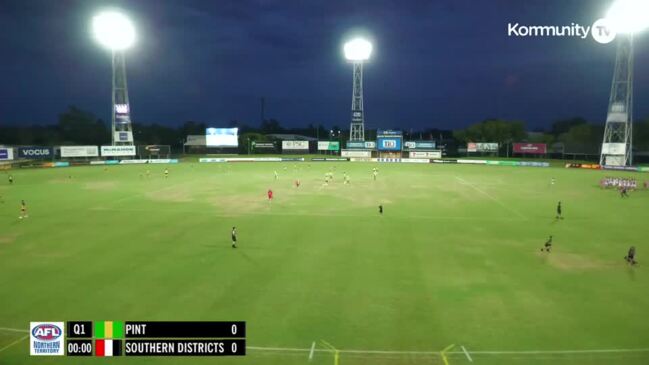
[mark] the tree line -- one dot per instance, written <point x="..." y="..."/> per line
<point x="78" y="127"/>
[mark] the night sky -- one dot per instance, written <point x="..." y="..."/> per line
<point x="443" y="64"/>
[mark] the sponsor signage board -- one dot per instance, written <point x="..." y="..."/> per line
<point x="295" y="145"/>
<point x="329" y="159"/>
<point x="118" y="150"/>
<point x="123" y="136"/>
<point x="263" y="145"/>
<point x="388" y="133"/>
<point x="530" y="148"/>
<point x="35" y="152"/>
<point x="419" y="145"/>
<point x="6" y="154"/>
<point x="425" y="154"/>
<point x="482" y="147"/>
<point x="79" y="151"/>
<point x="355" y="153"/>
<point x="328" y="145"/>
<point x="368" y="145"/>
<point x="415" y="160"/>
<point x="473" y="162"/>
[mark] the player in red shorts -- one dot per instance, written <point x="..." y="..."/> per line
<point x="270" y="195"/>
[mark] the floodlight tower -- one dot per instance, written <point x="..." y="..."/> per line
<point x="627" y="17"/>
<point x="116" y="32"/>
<point x="357" y="51"/>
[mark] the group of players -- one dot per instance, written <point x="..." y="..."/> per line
<point x="621" y="183"/>
<point x="547" y="247"/>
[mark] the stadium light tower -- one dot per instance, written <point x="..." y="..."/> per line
<point x="357" y="51"/>
<point x="115" y="31"/>
<point x="627" y="18"/>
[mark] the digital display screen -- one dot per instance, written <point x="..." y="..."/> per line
<point x="222" y="137"/>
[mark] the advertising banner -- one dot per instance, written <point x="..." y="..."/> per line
<point x="79" y="151"/>
<point x="329" y="159"/>
<point x="118" y="150"/>
<point x="153" y="161"/>
<point x="419" y="145"/>
<point x="295" y="145"/>
<point x="583" y="166"/>
<point x="482" y="147"/>
<point x="6" y="154"/>
<point x="35" y="152"/>
<point x="124" y="136"/>
<point x="425" y="154"/>
<point x="415" y="160"/>
<point x="352" y="153"/>
<point x="530" y="148"/>
<point x="473" y="162"/>
<point x="368" y="145"/>
<point x="388" y="133"/>
<point x="263" y="145"/>
<point x="328" y="145"/>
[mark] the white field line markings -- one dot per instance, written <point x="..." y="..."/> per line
<point x="312" y="351"/>
<point x="467" y="354"/>
<point x="13" y="343"/>
<point x="511" y="352"/>
<point x="490" y="197"/>
<point x="396" y="352"/>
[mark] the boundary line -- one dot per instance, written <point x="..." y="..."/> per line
<point x="464" y="182"/>
<point x="13" y="343"/>
<point x="405" y="352"/>
<point x="467" y="354"/>
<point x="312" y="351"/>
<point x="443" y="353"/>
<point x="398" y="352"/>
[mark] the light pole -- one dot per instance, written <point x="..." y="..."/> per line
<point x="357" y="51"/>
<point x="627" y="18"/>
<point x="114" y="31"/>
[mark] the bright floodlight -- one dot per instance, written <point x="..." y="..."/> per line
<point x="629" y="16"/>
<point x="358" y="49"/>
<point x="113" y="30"/>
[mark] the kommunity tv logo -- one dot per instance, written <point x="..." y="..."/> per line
<point x="601" y="31"/>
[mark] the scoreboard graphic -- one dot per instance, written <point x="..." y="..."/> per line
<point x="389" y="140"/>
<point x="120" y="338"/>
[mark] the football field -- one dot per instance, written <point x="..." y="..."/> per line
<point x="454" y="260"/>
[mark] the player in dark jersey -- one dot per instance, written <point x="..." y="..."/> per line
<point x="23" y="210"/>
<point x="234" y="237"/>
<point x="559" y="211"/>
<point x="381" y="209"/>
<point x="548" y="245"/>
<point x="630" y="257"/>
<point x="623" y="192"/>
